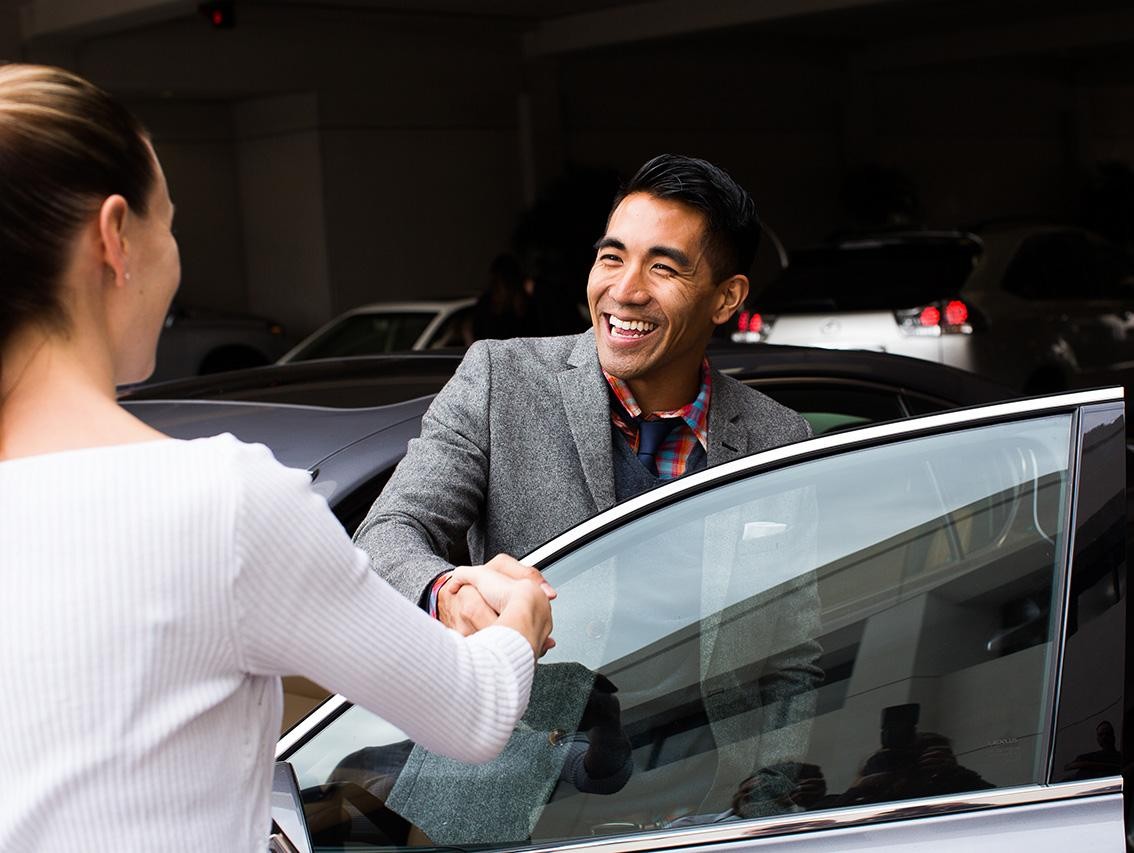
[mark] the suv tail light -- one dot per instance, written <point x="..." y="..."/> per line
<point x="947" y="317"/>
<point x="752" y="327"/>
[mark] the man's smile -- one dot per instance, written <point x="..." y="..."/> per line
<point x="628" y="329"/>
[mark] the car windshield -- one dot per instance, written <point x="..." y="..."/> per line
<point x="369" y="334"/>
<point x="868" y="275"/>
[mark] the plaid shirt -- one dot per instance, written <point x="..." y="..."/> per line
<point x="673" y="455"/>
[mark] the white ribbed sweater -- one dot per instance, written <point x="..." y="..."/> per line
<point x="150" y="597"/>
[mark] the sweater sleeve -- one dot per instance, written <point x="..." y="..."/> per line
<point x="307" y="603"/>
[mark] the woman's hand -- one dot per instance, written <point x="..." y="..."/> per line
<point x="515" y="591"/>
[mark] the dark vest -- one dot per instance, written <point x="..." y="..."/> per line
<point x="631" y="477"/>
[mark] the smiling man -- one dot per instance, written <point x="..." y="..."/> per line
<point x="534" y="435"/>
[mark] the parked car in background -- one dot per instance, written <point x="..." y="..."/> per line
<point x="198" y="341"/>
<point x="389" y="327"/>
<point x="1037" y="307"/>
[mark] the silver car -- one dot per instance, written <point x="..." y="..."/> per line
<point x="1037" y="307"/>
<point x="963" y="577"/>
<point x="389" y="327"/>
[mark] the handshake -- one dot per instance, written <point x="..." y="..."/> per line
<point x="501" y="592"/>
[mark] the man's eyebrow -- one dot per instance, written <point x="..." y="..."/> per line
<point x="610" y="243"/>
<point x="675" y="255"/>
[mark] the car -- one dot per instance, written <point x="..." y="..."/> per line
<point x="1038" y="307"/>
<point x="199" y="341"/>
<point x="966" y="578"/>
<point x="389" y="327"/>
<point x="969" y="572"/>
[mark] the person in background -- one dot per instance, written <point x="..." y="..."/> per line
<point x="155" y="590"/>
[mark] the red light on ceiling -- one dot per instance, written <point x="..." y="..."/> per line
<point x="756" y="323"/>
<point x="221" y="13"/>
<point x="930" y="316"/>
<point x="956" y="313"/>
<point x="742" y="321"/>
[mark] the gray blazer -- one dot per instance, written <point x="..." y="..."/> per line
<point x="516" y="449"/>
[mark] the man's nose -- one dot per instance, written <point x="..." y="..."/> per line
<point x="630" y="289"/>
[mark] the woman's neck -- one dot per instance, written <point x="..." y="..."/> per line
<point x="57" y="393"/>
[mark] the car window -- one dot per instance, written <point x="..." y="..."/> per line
<point x="456" y="331"/>
<point x="819" y="636"/>
<point x="369" y="334"/>
<point x="832" y="406"/>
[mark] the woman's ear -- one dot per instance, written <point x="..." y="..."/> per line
<point x="732" y="295"/>
<point x="112" y="234"/>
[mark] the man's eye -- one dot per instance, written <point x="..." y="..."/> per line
<point x="610" y="258"/>
<point x="665" y="270"/>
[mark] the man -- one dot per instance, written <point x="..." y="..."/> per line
<point x="520" y="445"/>
<point x="534" y="435"/>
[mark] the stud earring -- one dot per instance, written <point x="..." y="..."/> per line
<point x="127" y="276"/>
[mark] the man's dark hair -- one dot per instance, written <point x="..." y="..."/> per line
<point x="732" y="230"/>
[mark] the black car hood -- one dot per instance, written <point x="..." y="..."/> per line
<point x="299" y="436"/>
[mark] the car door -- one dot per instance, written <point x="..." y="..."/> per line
<point x="908" y="634"/>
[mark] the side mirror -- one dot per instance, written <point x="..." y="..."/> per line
<point x="289" y="826"/>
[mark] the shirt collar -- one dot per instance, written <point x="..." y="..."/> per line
<point x="695" y="414"/>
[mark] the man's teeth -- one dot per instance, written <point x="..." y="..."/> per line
<point x="632" y="325"/>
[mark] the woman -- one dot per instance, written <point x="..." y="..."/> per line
<point x="155" y="590"/>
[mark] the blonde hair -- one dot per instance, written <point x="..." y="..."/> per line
<point x="65" y="146"/>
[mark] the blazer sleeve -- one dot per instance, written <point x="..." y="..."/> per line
<point x="437" y="490"/>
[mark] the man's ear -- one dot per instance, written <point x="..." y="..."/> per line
<point x="112" y="234"/>
<point x="731" y="296"/>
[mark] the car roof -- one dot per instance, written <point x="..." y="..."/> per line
<point x="410" y="307"/>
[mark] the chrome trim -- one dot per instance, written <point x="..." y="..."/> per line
<point x="701" y="479"/>
<point x="298" y="733"/>
<point x="1062" y="595"/>
<point x="665" y="839"/>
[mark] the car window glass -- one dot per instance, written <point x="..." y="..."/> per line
<point x="828" y="407"/>
<point x="369" y="334"/>
<point x="820" y="636"/>
<point x="456" y="331"/>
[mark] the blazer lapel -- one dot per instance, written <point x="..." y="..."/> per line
<point x="587" y="403"/>
<point x="728" y="439"/>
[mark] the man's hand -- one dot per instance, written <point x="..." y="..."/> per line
<point x="508" y="593"/>
<point x="471" y="600"/>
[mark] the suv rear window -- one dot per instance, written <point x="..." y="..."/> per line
<point x="870" y="275"/>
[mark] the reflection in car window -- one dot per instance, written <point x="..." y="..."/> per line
<point x="814" y="637"/>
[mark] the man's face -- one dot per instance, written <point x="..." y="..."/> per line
<point x="651" y="292"/>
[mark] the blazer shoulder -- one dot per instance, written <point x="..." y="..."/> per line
<point x="520" y="354"/>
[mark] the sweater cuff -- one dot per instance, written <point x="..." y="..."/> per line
<point x="511" y="646"/>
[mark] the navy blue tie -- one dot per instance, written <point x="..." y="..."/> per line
<point x="651" y="436"/>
